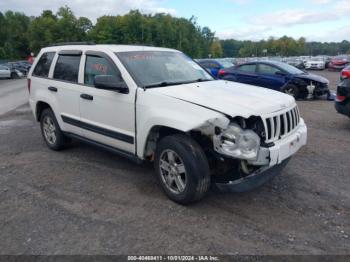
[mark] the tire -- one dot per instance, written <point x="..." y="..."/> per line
<point x="190" y="165"/>
<point x="14" y="75"/>
<point x="51" y="131"/>
<point x="292" y="90"/>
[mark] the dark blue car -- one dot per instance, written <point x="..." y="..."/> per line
<point x="214" y="65"/>
<point x="278" y="76"/>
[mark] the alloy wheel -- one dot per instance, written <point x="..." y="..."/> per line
<point x="173" y="171"/>
<point x="49" y="129"/>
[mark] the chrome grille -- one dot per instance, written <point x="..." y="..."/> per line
<point x="281" y="125"/>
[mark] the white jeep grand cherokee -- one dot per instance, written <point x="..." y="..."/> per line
<point x="158" y="105"/>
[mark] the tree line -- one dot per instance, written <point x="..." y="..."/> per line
<point x="20" y="35"/>
<point x="284" y="46"/>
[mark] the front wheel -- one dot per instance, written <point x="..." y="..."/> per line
<point x="182" y="169"/>
<point x="292" y="90"/>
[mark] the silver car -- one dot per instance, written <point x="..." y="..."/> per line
<point x="5" y="72"/>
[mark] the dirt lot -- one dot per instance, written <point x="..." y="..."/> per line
<point x="87" y="201"/>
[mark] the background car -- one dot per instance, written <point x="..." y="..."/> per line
<point x="342" y="102"/>
<point x="7" y="72"/>
<point x="278" y="76"/>
<point x="25" y="64"/>
<point x="18" y="66"/>
<point x="215" y="65"/>
<point x="315" y="63"/>
<point x="345" y="73"/>
<point x="339" y="62"/>
<point x="295" y="61"/>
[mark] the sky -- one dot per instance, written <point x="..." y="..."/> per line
<point x="317" y="20"/>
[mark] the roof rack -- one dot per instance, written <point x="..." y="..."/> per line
<point x="73" y="43"/>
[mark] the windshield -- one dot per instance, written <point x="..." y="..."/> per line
<point x="290" y="69"/>
<point x="162" y="68"/>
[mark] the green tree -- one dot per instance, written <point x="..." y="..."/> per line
<point x="51" y="28"/>
<point x="13" y="35"/>
<point x="216" y="49"/>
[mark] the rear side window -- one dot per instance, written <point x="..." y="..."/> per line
<point x="247" y="68"/>
<point x="67" y="68"/>
<point x="267" y="69"/>
<point x="95" y="66"/>
<point x="43" y="66"/>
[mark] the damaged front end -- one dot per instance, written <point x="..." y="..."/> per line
<point x="238" y="150"/>
<point x="241" y="158"/>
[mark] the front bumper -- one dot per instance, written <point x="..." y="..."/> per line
<point x="336" y="67"/>
<point x="316" y="67"/>
<point x="321" y="89"/>
<point x="284" y="148"/>
<point x="276" y="157"/>
<point x="254" y="180"/>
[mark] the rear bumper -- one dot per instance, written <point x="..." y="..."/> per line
<point x="32" y="106"/>
<point x="343" y="108"/>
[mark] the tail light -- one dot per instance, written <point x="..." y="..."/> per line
<point x="340" y="98"/>
<point x="29" y="82"/>
<point x="344" y="74"/>
<point x="221" y="72"/>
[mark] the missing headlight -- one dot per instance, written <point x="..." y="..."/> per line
<point x="237" y="143"/>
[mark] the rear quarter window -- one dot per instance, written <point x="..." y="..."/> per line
<point x="42" y="68"/>
<point x="67" y="68"/>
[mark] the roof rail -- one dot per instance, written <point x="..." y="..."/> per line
<point x="73" y="43"/>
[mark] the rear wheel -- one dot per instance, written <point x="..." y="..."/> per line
<point x="182" y="169"/>
<point x="292" y="90"/>
<point x="14" y="75"/>
<point x="51" y="131"/>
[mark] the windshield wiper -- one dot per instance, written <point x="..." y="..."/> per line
<point x="167" y="83"/>
<point x="201" y="80"/>
<point x="163" y="84"/>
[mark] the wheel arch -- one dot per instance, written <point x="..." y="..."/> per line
<point x="155" y="134"/>
<point x="39" y="108"/>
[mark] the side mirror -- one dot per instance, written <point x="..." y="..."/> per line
<point x="110" y="82"/>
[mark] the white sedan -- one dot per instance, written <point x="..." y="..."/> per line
<point x="315" y="63"/>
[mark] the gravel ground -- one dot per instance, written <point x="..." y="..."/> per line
<point x="87" y="201"/>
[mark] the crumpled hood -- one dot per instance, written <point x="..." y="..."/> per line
<point x="230" y="98"/>
<point x="313" y="78"/>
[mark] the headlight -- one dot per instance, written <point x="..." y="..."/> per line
<point x="238" y="143"/>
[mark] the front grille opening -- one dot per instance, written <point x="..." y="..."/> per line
<point x="281" y="125"/>
<point x="283" y="129"/>
<point x="289" y="127"/>
<point x="269" y="129"/>
<point x="276" y="125"/>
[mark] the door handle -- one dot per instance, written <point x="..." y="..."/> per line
<point x="52" y="89"/>
<point x="87" y="97"/>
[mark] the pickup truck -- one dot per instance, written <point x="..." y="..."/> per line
<point x="158" y="105"/>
